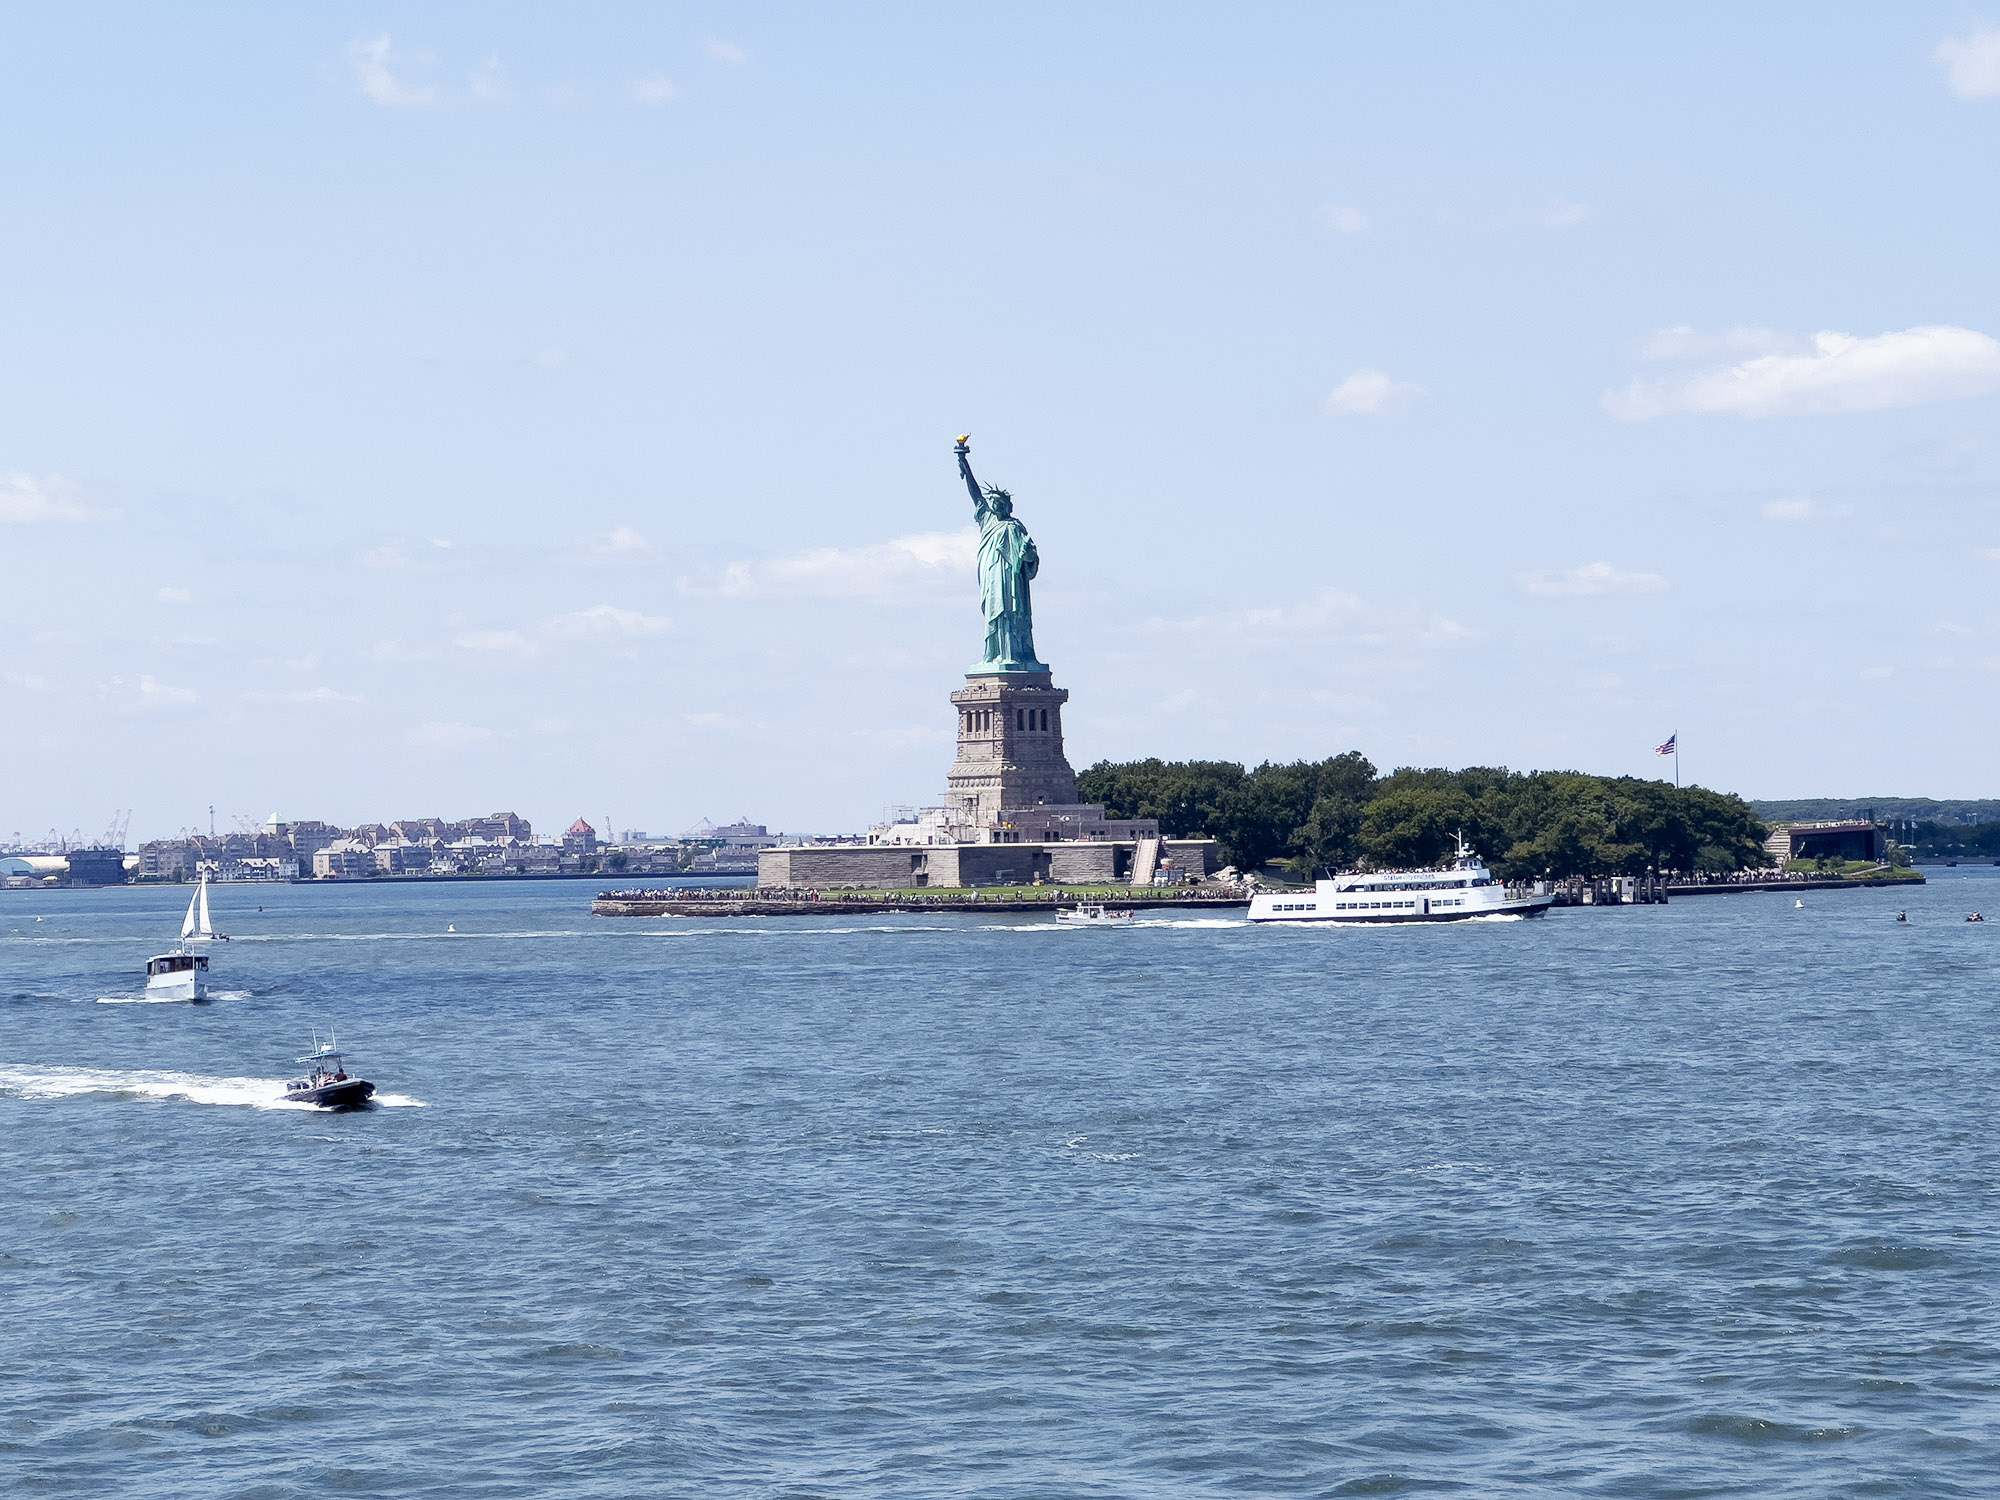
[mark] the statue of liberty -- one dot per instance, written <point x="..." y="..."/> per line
<point x="1007" y="562"/>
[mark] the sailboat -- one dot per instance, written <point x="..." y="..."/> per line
<point x="195" y="926"/>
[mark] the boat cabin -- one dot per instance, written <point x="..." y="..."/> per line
<point x="177" y="963"/>
<point x="326" y="1065"/>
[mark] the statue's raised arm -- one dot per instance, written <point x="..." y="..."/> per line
<point x="965" y="473"/>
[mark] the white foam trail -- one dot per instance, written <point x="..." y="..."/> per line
<point x="23" y="1082"/>
<point x="145" y="999"/>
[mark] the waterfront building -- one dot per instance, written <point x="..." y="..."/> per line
<point x="1854" y="839"/>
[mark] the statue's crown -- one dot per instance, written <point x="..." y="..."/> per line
<point x="994" y="492"/>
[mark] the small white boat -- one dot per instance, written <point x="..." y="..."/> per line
<point x="1463" y="889"/>
<point x="1086" y="914"/>
<point x="328" y="1084"/>
<point x="183" y="973"/>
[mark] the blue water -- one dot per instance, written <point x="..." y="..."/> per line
<point x="1694" y="1200"/>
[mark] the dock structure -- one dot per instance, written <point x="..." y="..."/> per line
<point x="771" y="903"/>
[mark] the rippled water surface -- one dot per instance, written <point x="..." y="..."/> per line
<point x="1694" y="1200"/>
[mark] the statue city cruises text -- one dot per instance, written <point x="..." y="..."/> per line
<point x="1461" y="890"/>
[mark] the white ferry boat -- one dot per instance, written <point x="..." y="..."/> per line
<point x="1464" y="888"/>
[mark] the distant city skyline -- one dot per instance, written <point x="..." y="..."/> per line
<point x="443" y="408"/>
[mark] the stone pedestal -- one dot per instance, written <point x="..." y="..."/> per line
<point x="1010" y="748"/>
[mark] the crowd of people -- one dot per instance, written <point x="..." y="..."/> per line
<point x="809" y="895"/>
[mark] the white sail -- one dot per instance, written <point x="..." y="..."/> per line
<point x="204" y="929"/>
<point x="187" y="922"/>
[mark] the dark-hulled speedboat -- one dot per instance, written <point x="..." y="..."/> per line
<point x="327" y="1085"/>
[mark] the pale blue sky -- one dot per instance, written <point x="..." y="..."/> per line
<point x="412" y="409"/>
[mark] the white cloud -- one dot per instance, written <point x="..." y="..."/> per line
<point x="605" y="619"/>
<point x="1683" y="342"/>
<point x="375" y="63"/>
<point x="549" y="724"/>
<point x="25" y="500"/>
<point x="1789" y="510"/>
<point x="552" y="358"/>
<point x="727" y="52"/>
<point x="716" y="721"/>
<point x="620" y="541"/>
<point x="1341" y="218"/>
<point x="305" y="695"/>
<point x="656" y="89"/>
<point x="174" y="596"/>
<point x="1560" y="214"/>
<point x="388" y="558"/>
<point x="26" y="681"/>
<point x="1592" y="578"/>
<point x="1370" y="393"/>
<point x="1330" y="616"/>
<point x="907" y="565"/>
<point x="907" y="737"/>
<point x="397" y="651"/>
<point x="1326" y="609"/>
<point x="145" y="694"/>
<point x="445" y="737"/>
<point x="506" y="642"/>
<point x="1971" y="63"/>
<point x="488" y="82"/>
<point x="1841" y="373"/>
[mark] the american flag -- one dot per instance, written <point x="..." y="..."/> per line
<point x="1670" y="747"/>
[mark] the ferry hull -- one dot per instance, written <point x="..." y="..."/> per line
<point x="1536" y="908"/>
<point x="176" y="987"/>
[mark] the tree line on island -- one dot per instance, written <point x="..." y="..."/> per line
<point x="1318" y="816"/>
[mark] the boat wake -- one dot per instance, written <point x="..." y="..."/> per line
<point x="172" y="999"/>
<point x="1183" y="922"/>
<point x="21" y="1082"/>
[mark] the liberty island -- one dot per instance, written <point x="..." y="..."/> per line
<point x="1011" y="814"/>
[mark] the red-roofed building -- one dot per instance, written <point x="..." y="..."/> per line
<point x="580" y="838"/>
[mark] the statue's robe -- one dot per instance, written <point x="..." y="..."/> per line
<point x="1007" y="561"/>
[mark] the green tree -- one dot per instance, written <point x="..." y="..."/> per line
<point x="1184" y="795"/>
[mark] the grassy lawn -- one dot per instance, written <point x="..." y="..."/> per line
<point x="1853" y="869"/>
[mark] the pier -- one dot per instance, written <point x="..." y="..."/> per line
<point x="768" y="903"/>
